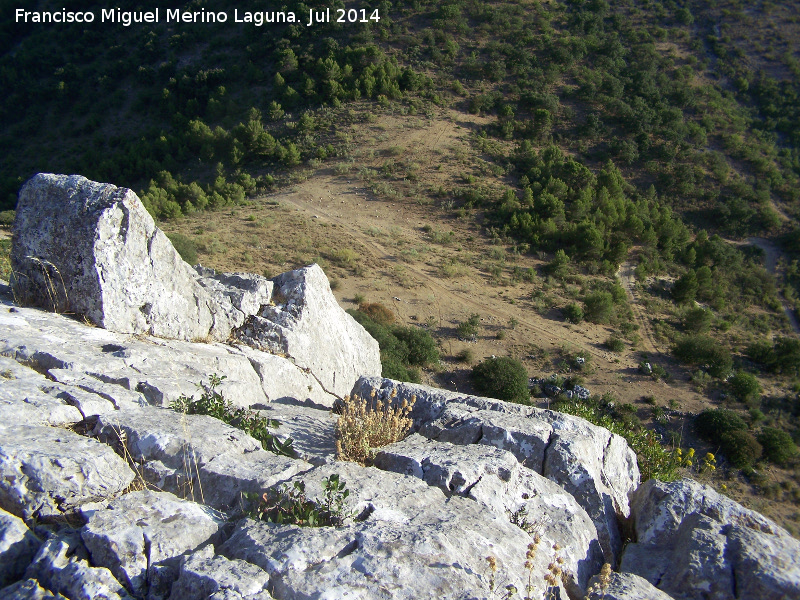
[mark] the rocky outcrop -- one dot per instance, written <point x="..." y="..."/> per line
<point x="18" y="545"/>
<point x="307" y="324"/>
<point x="593" y="465"/>
<point x="92" y="249"/>
<point x="694" y="544"/>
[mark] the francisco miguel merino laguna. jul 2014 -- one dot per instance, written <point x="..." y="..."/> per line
<point x="127" y="18"/>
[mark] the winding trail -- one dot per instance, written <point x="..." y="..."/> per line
<point x="627" y="277"/>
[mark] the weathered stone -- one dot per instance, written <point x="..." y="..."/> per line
<point x="312" y="431"/>
<point x="307" y="324"/>
<point x="18" y="545"/>
<point x="29" y="589"/>
<point x="693" y="543"/>
<point x="159" y="370"/>
<point x="23" y="398"/>
<point x="57" y="570"/>
<point x="179" y="444"/>
<point x="141" y="536"/>
<point x="115" y="266"/>
<point x="224" y="479"/>
<point x="47" y="471"/>
<point x="625" y="586"/>
<point x="245" y="292"/>
<point x="203" y="574"/>
<point x="409" y="541"/>
<point x="495" y="478"/>
<point x="282" y="380"/>
<point x="596" y="467"/>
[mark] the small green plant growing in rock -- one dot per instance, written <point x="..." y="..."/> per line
<point x="289" y="504"/>
<point x="214" y="404"/>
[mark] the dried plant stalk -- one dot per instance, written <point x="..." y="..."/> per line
<point x="365" y="426"/>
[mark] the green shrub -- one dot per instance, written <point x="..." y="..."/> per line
<point x="503" y="378"/>
<point x="697" y="320"/>
<point x="778" y="445"/>
<point x="741" y="448"/>
<point x="614" y="344"/>
<point x="572" y="313"/>
<point x="214" y="404"/>
<point x="744" y="387"/>
<point x="7" y="218"/>
<point x="599" y="307"/>
<point x="289" y="505"/>
<point x="712" y="424"/>
<point x="466" y="356"/>
<point x="468" y="330"/>
<point x="421" y="346"/>
<point x="185" y="246"/>
<point x="703" y="350"/>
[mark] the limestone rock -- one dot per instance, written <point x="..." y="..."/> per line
<point x="119" y="368"/>
<point x="204" y="575"/>
<point x="408" y="541"/>
<point x="282" y="380"/>
<point x="56" y="568"/>
<point x="595" y="466"/>
<point x="18" y="545"/>
<point x="141" y="536"/>
<point x="312" y="431"/>
<point x="172" y="446"/>
<point x="224" y="479"/>
<point x="47" y="471"/>
<point x="25" y="396"/>
<point x="693" y="543"/>
<point x="92" y="249"/>
<point x="29" y="589"/>
<point x="496" y="479"/>
<point x="625" y="586"/>
<point x="306" y="323"/>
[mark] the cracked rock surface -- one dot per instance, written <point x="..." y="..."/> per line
<point x="694" y="543"/>
<point x="596" y="467"/>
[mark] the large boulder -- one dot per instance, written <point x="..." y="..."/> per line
<point x="306" y="324"/>
<point x="47" y="471"/>
<point x="695" y="544"/>
<point x="92" y="249"/>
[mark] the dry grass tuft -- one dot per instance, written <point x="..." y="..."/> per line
<point x="365" y="426"/>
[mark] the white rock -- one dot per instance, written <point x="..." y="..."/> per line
<point x="18" y="545"/>
<point x="47" y="471"/>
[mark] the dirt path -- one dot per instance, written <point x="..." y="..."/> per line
<point x="627" y="277"/>
<point x="772" y="254"/>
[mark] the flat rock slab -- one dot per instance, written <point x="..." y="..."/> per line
<point x="496" y="479"/>
<point x="47" y="471"/>
<point x="695" y="544"/>
<point x="26" y="397"/>
<point x="312" y="430"/>
<point x="204" y="575"/>
<point x="172" y="445"/>
<point x="410" y="541"/>
<point x="224" y="479"/>
<point x="18" y="545"/>
<point x="141" y="536"/>
<point x="593" y="465"/>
